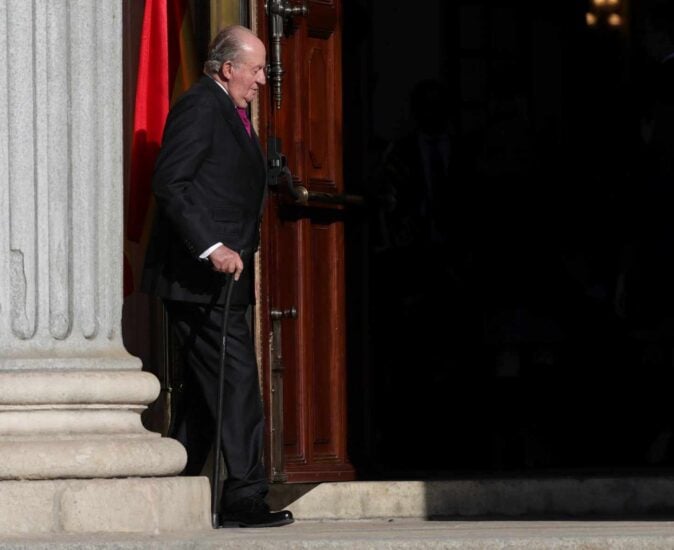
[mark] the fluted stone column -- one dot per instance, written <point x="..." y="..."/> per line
<point x="70" y="394"/>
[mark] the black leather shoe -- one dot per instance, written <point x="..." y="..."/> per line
<point x="256" y="519"/>
<point x="253" y="512"/>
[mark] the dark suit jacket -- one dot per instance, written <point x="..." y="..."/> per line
<point x="209" y="184"/>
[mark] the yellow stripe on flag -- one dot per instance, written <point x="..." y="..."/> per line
<point x="188" y="70"/>
<point x="223" y="14"/>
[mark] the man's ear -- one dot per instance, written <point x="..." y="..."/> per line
<point x="226" y="70"/>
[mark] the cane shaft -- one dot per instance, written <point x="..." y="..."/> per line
<point x="215" y="493"/>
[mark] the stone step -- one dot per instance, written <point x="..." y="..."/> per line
<point x="384" y="535"/>
<point x="561" y="497"/>
<point x="617" y="513"/>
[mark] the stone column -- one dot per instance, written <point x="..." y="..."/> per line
<point x="74" y="455"/>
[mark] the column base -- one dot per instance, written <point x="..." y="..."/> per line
<point x="81" y="424"/>
<point x="111" y="457"/>
<point x="129" y="505"/>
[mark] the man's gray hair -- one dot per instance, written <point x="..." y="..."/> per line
<point x="226" y="46"/>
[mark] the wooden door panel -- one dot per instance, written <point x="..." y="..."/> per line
<point x="318" y="115"/>
<point x="285" y="269"/>
<point x="303" y="251"/>
<point x="322" y="19"/>
<point x="294" y="336"/>
<point x="327" y="278"/>
<point x="324" y="151"/>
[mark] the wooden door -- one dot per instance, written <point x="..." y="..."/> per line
<point x="302" y="253"/>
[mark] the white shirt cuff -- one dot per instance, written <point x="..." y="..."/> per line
<point x="208" y="251"/>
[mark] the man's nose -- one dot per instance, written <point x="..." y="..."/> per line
<point x="261" y="79"/>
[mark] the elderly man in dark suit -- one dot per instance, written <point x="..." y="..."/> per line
<point x="209" y="184"/>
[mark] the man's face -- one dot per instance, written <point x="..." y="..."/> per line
<point x="245" y="76"/>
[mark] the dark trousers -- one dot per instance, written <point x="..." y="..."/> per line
<point x="198" y="329"/>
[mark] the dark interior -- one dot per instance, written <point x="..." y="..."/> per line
<point x="536" y="333"/>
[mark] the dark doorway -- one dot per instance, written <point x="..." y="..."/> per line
<point x="526" y="322"/>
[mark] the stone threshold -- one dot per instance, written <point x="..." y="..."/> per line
<point x="560" y="497"/>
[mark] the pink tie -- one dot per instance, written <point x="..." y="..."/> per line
<point x="244" y="118"/>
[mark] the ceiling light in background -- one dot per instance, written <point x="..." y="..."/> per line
<point x="615" y="20"/>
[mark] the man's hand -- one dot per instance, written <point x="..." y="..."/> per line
<point x="225" y="260"/>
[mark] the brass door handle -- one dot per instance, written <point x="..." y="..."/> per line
<point x="279" y="172"/>
<point x="303" y="196"/>
<point x="278" y="314"/>
<point x="279" y="11"/>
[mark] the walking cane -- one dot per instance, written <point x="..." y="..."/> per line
<point x="229" y="285"/>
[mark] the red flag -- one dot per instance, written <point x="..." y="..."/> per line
<point x="152" y="104"/>
<point x="166" y="45"/>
